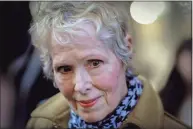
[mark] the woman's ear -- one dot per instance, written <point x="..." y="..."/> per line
<point x="128" y="41"/>
<point x="129" y="44"/>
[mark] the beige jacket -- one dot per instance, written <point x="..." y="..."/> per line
<point x="147" y="114"/>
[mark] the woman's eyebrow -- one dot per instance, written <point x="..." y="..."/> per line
<point x="94" y="55"/>
<point x="61" y="61"/>
<point x="58" y="64"/>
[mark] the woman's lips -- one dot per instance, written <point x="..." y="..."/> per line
<point x="88" y="103"/>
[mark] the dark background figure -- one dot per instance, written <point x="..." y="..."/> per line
<point x="176" y="95"/>
<point x="7" y="100"/>
<point x="19" y="60"/>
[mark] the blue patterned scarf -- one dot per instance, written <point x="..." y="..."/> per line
<point x="115" y="119"/>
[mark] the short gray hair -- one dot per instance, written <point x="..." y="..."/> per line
<point x="107" y="17"/>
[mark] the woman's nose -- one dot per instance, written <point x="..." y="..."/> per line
<point x="83" y="83"/>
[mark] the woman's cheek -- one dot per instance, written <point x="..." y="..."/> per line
<point x="106" y="82"/>
<point x="65" y="87"/>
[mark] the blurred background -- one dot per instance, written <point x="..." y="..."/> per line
<point x="162" y="39"/>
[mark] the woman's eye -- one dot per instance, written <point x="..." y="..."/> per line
<point x="64" y="69"/>
<point x="95" y="63"/>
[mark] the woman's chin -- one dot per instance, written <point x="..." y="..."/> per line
<point x="90" y="120"/>
<point x="91" y="117"/>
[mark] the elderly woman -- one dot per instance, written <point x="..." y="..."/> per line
<point x="86" y="50"/>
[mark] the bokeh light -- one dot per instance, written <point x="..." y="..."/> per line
<point x="146" y="12"/>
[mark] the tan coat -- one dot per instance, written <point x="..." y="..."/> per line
<point x="147" y="114"/>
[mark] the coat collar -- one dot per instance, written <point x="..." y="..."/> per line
<point x="149" y="112"/>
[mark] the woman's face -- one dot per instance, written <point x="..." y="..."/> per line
<point x="89" y="75"/>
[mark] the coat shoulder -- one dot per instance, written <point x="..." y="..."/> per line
<point x="48" y="108"/>
<point x="51" y="113"/>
